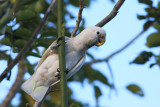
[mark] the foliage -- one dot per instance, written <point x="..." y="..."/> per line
<point x="153" y="40"/>
<point x="18" y="20"/>
<point x="135" y="89"/>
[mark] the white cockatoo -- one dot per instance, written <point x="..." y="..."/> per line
<point x="47" y="69"/>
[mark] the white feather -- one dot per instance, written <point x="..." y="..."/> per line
<point x="38" y="84"/>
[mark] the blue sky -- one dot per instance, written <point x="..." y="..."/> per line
<point x="119" y="31"/>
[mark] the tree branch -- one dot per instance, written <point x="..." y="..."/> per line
<point x="15" y="87"/>
<point x="111" y="15"/>
<point x="81" y="6"/>
<point x="29" y="43"/>
<point x="118" y="51"/>
<point x="61" y="53"/>
<point x="62" y="63"/>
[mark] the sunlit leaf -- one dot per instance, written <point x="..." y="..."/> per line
<point x="153" y="40"/>
<point x="41" y="6"/>
<point x="135" y="89"/>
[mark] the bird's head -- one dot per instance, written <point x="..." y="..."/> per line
<point x="94" y="36"/>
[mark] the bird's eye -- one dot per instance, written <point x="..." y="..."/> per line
<point x="98" y="32"/>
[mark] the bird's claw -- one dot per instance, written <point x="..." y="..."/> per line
<point x="57" y="74"/>
<point x="57" y="42"/>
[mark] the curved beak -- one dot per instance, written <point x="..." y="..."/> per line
<point x="101" y="40"/>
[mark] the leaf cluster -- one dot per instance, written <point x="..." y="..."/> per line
<point x="153" y="40"/>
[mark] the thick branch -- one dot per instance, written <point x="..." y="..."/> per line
<point x="15" y="87"/>
<point x="81" y="6"/>
<point x="29" y="43"/>
<point x="61" y="51"/>
<point x="62" y="65"/>
<point x="118" y="51"/>
<point x="112" y="14"/>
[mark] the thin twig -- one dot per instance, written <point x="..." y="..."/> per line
<point x="81" y="6"/>
<point x="111" y="15"/>
<point x="118" y="51"/>
<point x="30" y="42"/>
<point x="112" y="76"/>
<point x="13" y="9"/>
<point x="15" y="87"/>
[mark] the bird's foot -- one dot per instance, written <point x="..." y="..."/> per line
<point x="57" y="74"/>
<point x="57" y="42"/>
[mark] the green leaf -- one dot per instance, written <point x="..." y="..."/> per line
<point x="152" y="12"/>
<point x="153" y="40"/>
<point x="29" y="67"/>
<point x="148" y="2"/>
<point x="26" y="15"/>
<point x="158" y="60"/>
<point x="45" y="42"/>
<point x="135" y="89"/>
<point x="140" y="17"/>
<point x="159" y="5"/>
<point x="29" y="53"/>
<point x="157" y="26"/>
<point x="92" y="75"/>
<point x="4" y="20"/>
<point x="147" y="25"/>
<point x="49" y="33"/>
<point x="5" y="41"/>
<point x="19" y="43"/>
<point x="74" y="105"/>
<point x="41" y="6"/>
<point x="142" y="58"/>
<point x="23" y="33"/>
<point x="26" y="2"/>
<point x="97" y="92"/>
<point x="152" y="65"/>
<point x="4" y="55"/>
<point x="76" y="2"/>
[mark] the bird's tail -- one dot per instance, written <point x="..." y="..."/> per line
<point x="36" y="92"/>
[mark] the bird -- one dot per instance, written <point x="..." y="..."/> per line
<point x="47" y="71"/>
